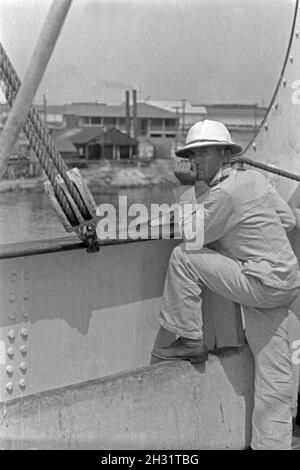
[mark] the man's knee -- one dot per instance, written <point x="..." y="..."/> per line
<point x="178" y="254"/>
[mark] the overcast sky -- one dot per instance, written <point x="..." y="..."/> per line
<point x="200" y="50"/>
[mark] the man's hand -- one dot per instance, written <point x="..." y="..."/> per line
<point x="186" y="172"/>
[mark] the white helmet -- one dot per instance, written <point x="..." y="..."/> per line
<point x="207" y="134"/>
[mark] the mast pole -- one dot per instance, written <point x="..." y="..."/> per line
<point x="33" y="76"/>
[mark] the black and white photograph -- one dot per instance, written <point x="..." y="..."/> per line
<point x="149" y="227"/>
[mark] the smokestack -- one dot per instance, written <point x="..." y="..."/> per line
<point x="127" y="113"/>
<point x="135" y="128"/>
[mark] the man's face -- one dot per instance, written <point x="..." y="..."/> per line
<point x="208" y="161"/>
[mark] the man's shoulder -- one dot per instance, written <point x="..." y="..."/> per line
<point x="237" y="177"/>
<point x="242" y="184"/>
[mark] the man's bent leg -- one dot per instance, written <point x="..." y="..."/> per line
<point x="181" y="309"/>
<point x="267" y="333"/>
<point x="188" y="271"/>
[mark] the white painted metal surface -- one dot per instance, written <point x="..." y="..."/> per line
<point x="278" y="139"/>
<point x="69" y="316"/>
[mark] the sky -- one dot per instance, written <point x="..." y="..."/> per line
<point x="205" y="51"/>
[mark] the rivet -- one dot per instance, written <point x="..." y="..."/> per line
<point x="12" y="315"/>
<point x="24" y="332"/>
<point x="276" y="106"/>
<point x="12" y="297"/>
<point x="9" y="387"/>
<point x="22" y="383"/>
<point x="13" y="277"/>
<point x="23" y="366"/>
<point x="297" y="34"/>
<point x="23" y="349"/>
<point x="9" y="370"/>
<point x="284" y="82"/>
<point x="266" y="126"/>
<point x="254" y="145"/>
<point x="10" y="352"/>
<point x="25" y="314"/>
<point x="26" y="295"/>
<point x="11" y="334"/>
<point x="291" y="59"/>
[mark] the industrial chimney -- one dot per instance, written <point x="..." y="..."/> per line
<point x="127" y="113"/>
<point x="135" y="127"/>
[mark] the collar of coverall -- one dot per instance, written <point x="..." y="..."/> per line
<point x="223" y="173"/>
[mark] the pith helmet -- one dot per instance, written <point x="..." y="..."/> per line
<point x="207" y="134"/>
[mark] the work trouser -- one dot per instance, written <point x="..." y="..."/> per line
<point x="266" y="323"/>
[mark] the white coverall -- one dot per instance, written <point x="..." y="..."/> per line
<point x="255" y="267"/>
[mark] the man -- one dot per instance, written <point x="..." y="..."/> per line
<point x="254" y="266"/>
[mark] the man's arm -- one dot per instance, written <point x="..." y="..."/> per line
<point x="285" y="212"/>
<point x="191" y="223"/>
<point x="207" y="221"/>
<point x="294" y="203"/>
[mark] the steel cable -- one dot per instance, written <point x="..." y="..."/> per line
<point x="265" y="167"/>
<point x="41" y="134"/>
<point x="46" y="163"/>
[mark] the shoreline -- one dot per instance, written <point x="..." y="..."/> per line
<point x="159" y="173"/>
<point x="36" y="185"/>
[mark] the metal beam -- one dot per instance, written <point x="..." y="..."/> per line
<point x="33" y="76"/>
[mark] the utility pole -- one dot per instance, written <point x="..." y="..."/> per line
<point x="127" y="113"/>
<point x="177" y="125"/>
<point x="183" y="114"/>
<point x="135" y="126"/>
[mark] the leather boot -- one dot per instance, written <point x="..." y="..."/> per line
<point x="183" y="348"/>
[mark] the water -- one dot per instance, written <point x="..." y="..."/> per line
<point x="27" y="216"/>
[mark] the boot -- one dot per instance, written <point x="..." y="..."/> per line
<point x="185" y="349"/>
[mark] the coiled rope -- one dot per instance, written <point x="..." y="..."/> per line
<point x="42" y="144"/>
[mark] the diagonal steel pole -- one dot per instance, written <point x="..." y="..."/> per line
<point x="33" y="76"/>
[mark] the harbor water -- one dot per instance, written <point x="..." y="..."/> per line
<point x="27" y="216"/>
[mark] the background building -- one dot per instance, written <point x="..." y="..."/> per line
<point x="142" y="129"/>
<point x="242" y="119"/>
<point x="151" y="121"/>
<point x="95" y="143"/>
<point x="186" y="112"/>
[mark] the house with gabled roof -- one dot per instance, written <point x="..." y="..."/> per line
<point x="96" y="143"/>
